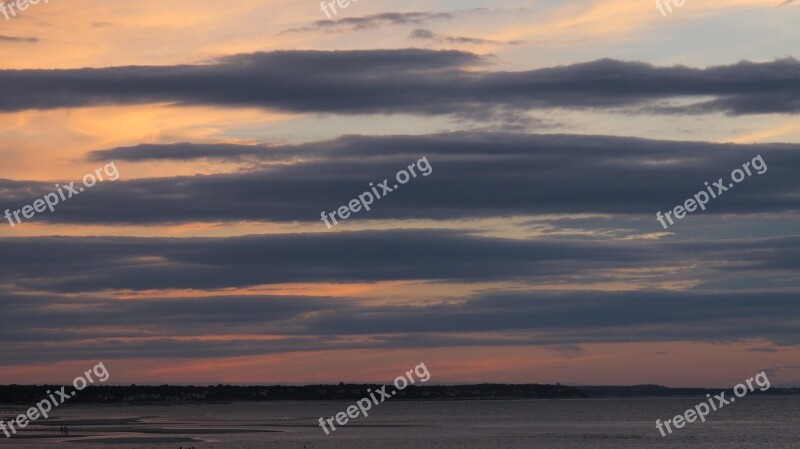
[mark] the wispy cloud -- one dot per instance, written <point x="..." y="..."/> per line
<point x="424" y="34"/>
<point x="373" y="21"/>
<point x="30" y="40"/>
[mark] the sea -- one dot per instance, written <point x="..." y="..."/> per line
<point x="757" y="422"/>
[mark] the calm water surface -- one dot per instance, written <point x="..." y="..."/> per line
<point x="752" y="423"/>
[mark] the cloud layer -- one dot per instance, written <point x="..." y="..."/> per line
<point x="179" y="328"/>
<point x="411" y="81"/>
<point x="474" y="175"/>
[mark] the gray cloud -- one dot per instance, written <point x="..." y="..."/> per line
<point x="187" y="151"/>
<point x="424" y="34"/>
<point x="141" y="264"/>
<point x="166" y="327"/>
<point x="410" y="81"/>
<point x="574" y="318"/>
<point x="29" y="40"/>
<point x="474" y="175"/>
<point x="372" y="21"/>
<point x="117" y="263"/>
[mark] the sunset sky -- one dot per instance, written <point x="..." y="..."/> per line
<point x="555" y="131"/>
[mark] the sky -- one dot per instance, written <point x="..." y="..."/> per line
<point x="544" y="136"/>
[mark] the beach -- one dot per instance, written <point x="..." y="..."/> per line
<point x="757" y="423"/>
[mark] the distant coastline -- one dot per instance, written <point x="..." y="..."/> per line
<point x="25" y="394"/>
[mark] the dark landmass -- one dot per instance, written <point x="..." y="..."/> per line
<point x="27" y="394"/>
<point x="30" y="394"/>
<point x="653" y="391"/>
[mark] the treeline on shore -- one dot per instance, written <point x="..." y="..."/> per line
<point x="27" y="394"/>
<point x="16" y="394"/>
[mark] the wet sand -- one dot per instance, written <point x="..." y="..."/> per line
<point x="129" y="430"/>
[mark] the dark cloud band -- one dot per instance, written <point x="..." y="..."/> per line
<point x="475" y="175"/>
<point x="173" y="328"/>
<point x="370" y="256"/>
<point x="410" y="81"/>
